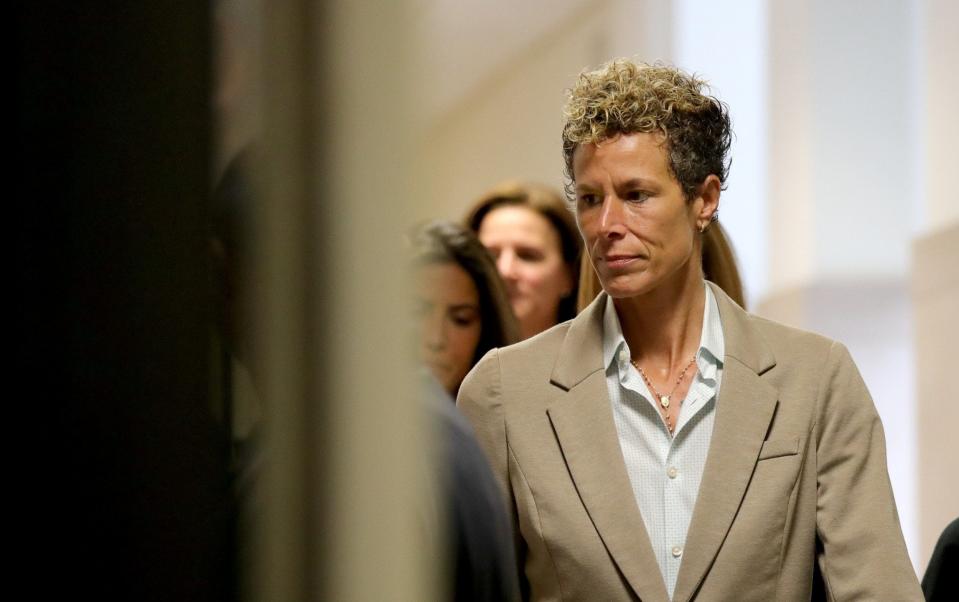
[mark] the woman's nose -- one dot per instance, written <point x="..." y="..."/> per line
<point x="506" y="264"/>
<point x="434" y="333"/>
<point x="611" y="218"/>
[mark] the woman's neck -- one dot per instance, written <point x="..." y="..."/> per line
<point x="663" y="327"/>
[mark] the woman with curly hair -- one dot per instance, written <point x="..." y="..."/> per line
<point x="665" y="444"/>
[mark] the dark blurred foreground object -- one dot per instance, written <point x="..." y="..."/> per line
<point x="236" y="402"/>
<point x="126" y="475"/>
<point x="940" y="582"/>
<point x="482" y="563"/>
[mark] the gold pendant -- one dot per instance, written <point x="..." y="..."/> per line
<point x="664" y="401"/>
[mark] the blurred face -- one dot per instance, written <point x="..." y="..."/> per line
<point x="639" y="229"/>
<point x="448" y="305"/>
<point x="529" y="257"/>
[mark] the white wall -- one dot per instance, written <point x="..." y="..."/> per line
<point x="939" y="85"/>
<point x="726" y="43"/>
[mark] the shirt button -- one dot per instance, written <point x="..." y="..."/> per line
<point x="623" y="357"/>
<point x="672" y="472"/>
<point x="677" y="551"/>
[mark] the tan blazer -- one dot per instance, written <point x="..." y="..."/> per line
<point x="795" y="501"/>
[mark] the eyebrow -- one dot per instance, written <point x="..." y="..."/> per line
<point x="460" y="306"/>
<point x="636" y="182"/>
<point x="584" y="187"/>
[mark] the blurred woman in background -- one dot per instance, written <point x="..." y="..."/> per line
<point x="533" y="237"/>
<point x="460" y="300"/>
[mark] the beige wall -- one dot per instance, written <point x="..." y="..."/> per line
<point x="791" y="214"/>
<point x="935" y="275"/>
<point x="508" y="124"/>
<point x="935" y="288"/>
<point x="940" y="91"/>
<point x="344" y="510"/>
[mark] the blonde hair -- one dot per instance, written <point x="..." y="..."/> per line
<point x="623" y="97"/>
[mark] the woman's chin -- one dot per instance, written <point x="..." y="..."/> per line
<point x="625" y="286"/>
<point x="618" y="293"/>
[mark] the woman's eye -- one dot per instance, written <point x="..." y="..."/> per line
<point x="466" y="318"/>
<point x="529" y="255"/>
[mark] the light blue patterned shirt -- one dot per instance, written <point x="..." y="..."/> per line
<point x="665" y="471"/>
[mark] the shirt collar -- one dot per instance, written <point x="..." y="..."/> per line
<point x="711" y="350"/>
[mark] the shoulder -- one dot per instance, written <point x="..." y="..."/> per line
<point x="816" y="368"/>
<point x="789" y="341"/>
<point x="521" y="366"/>
<point x="799" y="363"/>
<point x="538" y="347"/>
<point x="750" y="334"/>
<point x="796" y="347"/>
<point x="761" y="343"/>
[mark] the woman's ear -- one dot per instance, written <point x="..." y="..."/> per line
<point x="709" y="193"/>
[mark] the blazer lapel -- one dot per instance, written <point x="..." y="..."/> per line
<point x="744" y="410"/>
<point x="583" y="422"/>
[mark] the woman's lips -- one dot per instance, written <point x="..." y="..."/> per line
<point x="620" y="261"/>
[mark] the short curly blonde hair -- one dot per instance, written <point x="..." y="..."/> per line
<point x="623" y="97"/>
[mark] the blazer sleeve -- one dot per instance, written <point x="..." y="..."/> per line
<point x="861" y="553"/>
<point x="480" y="400"/>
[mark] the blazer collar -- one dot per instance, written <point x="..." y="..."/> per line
<point x="581" y="353"/>
<point x="583" y="422"/>
<point x="743" y="341"/>
<point x="744" y="411"/>
<point x="582" y="419"/>
<point x="584" y="426"/>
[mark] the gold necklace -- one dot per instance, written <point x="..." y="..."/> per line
<point x="664" y="399"/>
